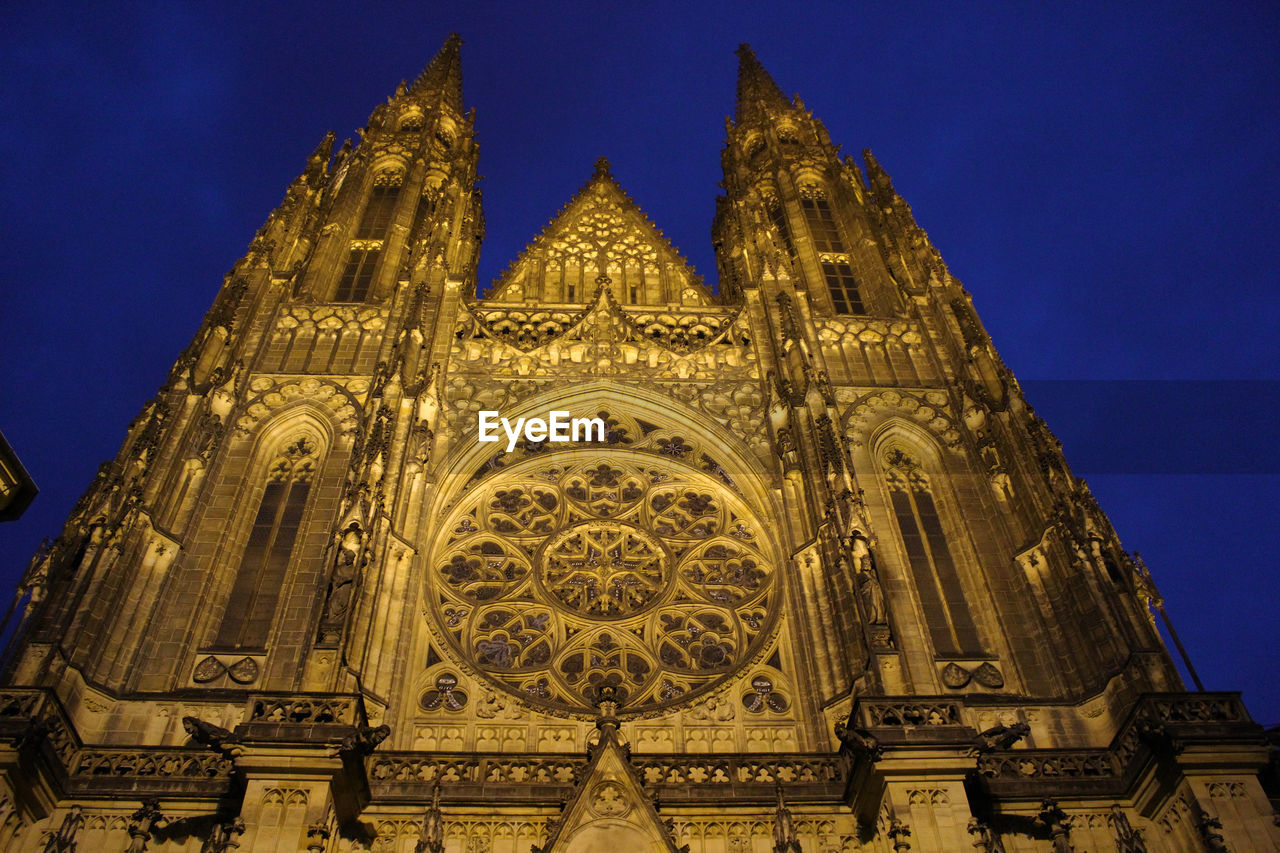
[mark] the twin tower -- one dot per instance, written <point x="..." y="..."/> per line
<point x="819" y="581"/>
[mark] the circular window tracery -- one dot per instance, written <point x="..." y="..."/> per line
<point x="603" y="569"/>
<point x="557" y="581"/>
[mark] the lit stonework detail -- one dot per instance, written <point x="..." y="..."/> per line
<point x="604" y="569"/>
<point x="634" y="573"/>
<point x="834" y="571"/>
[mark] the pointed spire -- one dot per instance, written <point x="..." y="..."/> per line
<point x="442" y="78"/>
<point x="758" y="94"/>
<point x="877" y="178"/>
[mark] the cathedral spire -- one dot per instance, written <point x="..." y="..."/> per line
<point x="758" y="94"/>
<point x="443" y="75"/>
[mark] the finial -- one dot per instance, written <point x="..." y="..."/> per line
<point x="603" y="168"/>
<point x="431" y="836"/>
<point x="608" y="705"/>
<point x="784" y="827"/>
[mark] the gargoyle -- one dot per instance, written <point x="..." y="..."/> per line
<point x="207" y="734"/>
<point x="1000" y="736"/>
<point x="363" y="740"/>
<point x="859" y="742"/>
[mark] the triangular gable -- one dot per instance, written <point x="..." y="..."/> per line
<point x="601" y="232"/>
<point x="609" y="812"/>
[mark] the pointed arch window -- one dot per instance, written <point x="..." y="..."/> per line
<point x="822" y="223"/>
<point x="255" y="595"/>
<point x="836" y="267"/>
<point x="378" y="211"/>
<point x="845" y="298"/>
<point x="779" y="219"/>
<point x="356" y="281"/>
<point x="357" y="275"/>
<point x="933" y="568"/>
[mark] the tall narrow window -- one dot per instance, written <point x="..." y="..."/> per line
<point x="822" y="224"/>
<point x="845" y="298"/>
<point x="942" y="599"/>
<point x="357" y="275"/>
<point x="252" y="605"/>
<point x="378" y="211"/>
<point x="836" y="269"/>
<point x="779" y="218"/>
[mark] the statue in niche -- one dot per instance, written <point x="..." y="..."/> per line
<point x="872" y="595"/>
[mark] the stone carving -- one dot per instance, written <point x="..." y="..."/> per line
<point x="896" y="713"/>
<point x="737" y="771"/>
<point x="899" y="833"/>
<point x="988" y="676"/>
<point x="1128" y="839"/>
<point x="1001" y="736"/>
<point x="496" y="706"/>
<point x="858" y="742"/>
<point x="211" y="668"/>
<point x="984" y="840"/>
<point x="333" y="710"/>
<point x="955" y="676"/>
<point x="712" y="709"/>
<point x="207" y="734"/>
<point x="431" y="838"/>
<point x="600" y="232"/>
<point x="931" y="409"/>
<point x="224" y="837"/>
<point x="134" y="764"/>
<point x="764" y="697"/>
<point x="270" y="395"/>
<point x="364" y="739"/>
<point x="350" y="557"/>
<point x="607" y="799"/>
<point x="1066" y="764"/>
<point x="413" y="769"/>
<point x="64" y="840"/>
<point x="1058" y="824"/>
<point x="1210" y="830"/>
<point x="784" y="828"/>
<point x="317" y="837"/>
<point x="604" y="340"/>
<point x="638" y="575"/>
<point x="142" y="823"/>
<point x="445" y="695"/>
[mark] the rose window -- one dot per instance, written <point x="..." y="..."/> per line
<point x="603" y="569"/>
<point x="616" y="571"/>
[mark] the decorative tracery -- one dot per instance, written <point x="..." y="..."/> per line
<point x="616" y="570"/>
<point x="601" y="234"/>
<point x="263" y="564"/>
<point x="942" y="600"/>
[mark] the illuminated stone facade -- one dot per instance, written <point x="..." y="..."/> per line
<point x="824" y="584"/>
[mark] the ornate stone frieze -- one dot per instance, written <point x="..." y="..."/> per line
<point x="602" y="341"/>
<point x="930" y="409"/>
<point x="342" y="398"/>
<point x="858" y="331"/>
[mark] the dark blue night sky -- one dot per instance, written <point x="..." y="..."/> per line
<point x="1103" y="177"/>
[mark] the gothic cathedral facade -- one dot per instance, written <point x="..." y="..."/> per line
<point x="812" y="577"/>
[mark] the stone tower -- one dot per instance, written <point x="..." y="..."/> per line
<point x="811" y="577"/>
